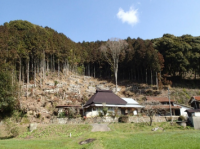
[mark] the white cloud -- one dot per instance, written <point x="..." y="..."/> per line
<point x="130" y="17"/>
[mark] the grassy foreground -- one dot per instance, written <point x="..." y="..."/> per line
<point x="121" y="136"/>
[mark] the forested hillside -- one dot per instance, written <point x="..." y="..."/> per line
<point x="31" y="54"/>
<point x="28" y="49"/>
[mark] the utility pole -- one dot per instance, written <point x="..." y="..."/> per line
<point x="169" y="104"/>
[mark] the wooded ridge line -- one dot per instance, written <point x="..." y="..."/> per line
<point x="27" y="49"/>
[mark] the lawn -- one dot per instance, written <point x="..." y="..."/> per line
<point x="121" y="136"/>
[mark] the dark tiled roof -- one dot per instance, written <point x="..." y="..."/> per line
<point x="160" y="99"/>
<point x="192" y="110"/>
<point x="66" y="106"/>
<point x="105" y="96"/>
<point x="197" y="98"/>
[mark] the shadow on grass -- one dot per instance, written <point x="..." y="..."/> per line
<point x="6" y="137"/>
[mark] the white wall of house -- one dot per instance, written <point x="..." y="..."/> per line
<point x="95" y="111"/>
<point x="182" y="110"/>
<point x="196" y="114"/>
<point x="135" y="112"/>
<point x="91" y="113"/>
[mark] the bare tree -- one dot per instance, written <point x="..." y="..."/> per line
<point x="151" y="108"/>
<point x="112" y="50"/>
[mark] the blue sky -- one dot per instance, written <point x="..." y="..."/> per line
<point x="91" y="20"/>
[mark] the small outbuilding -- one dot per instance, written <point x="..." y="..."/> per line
<point x="195" y="102"/>
<point x="183" y="109"/>
<point x="165" y="104"/>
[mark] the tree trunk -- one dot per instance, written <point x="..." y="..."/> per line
<point x="65" y="68"/>
<point x="12" y="76"/>
<point x="151" y="120"/>
<point x="156" y="80"/>
<point x="23" y="76"/>
<point x="146" y="76"/>
<point x="27" y="83"/>
<point x="138" y="74"/>
<point x="53" y="64"/>
<point x="20" y="69"/>
<point x="151" y="78"/>
<point x="58" y="68"/>
<point x="34" y="73"/>
<point x="94" y="70"/>
<point x="40" y="72"/>
<point x="135" y="74"/>
<point x="43" y="68"/>
<point x="88" y="69"/>
<point x="116" y="71"/>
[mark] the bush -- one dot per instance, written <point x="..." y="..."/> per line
<point x="105" y="110"/>
<point x="55" y="83"/>
<point x="62" y="115"/>
<point x="72" y="112"/>
<point x="182" y="118"/>
<point x="8" y="94"/>
<point x="116" y="112"/>
<point x="168" y="119"/>
<point x="100" y="114"/>
<point x="11" y="128"/>
<point x="111" y="114"/>
<point x="14" y="131"/>
<point x="123" y="119"/>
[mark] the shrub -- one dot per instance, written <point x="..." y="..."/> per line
<point x="100" y="114"/>
<point x="62" y="115"/>
<point x="72" y="112"/>
<point x="110" y="114"/>
<point x="181" y="118"/>
<point x="55" y="83"/>
<point x="123" y="119"/>
<point x="168" y="119"/>
<point x="84" y="118"/>
<point x="116" y="111"/>
<point x="105" y="110"/>
<point x="15" y="131"/>
<point x="11" y="128"/>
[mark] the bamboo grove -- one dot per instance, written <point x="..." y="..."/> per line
<point x="29" y="50"/>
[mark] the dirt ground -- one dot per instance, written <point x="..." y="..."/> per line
<point x="100" y="127"/>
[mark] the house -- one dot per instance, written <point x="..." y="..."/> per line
<point x="194" y="114"/>
<point x="183" y="109"/>
<point x="164" y="104"/>
<point x="131" y="103"/>
<point x="195" y="102"/>
<point x="108" y="99"/>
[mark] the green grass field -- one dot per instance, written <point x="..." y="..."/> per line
<point x="121" y="136"/>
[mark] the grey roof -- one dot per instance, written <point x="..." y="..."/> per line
<point x="182" y="105"/>
<point x="105" y="96"/>
<point x="130" y="101"/>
